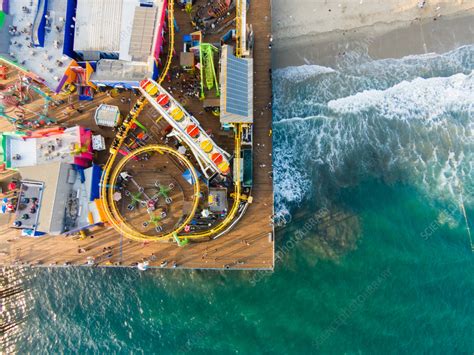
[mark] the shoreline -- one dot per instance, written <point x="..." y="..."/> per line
<point x="312" y="17"/>
<point x="377" y="41"/>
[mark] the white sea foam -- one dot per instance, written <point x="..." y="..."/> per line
<point x="291" y="181"/>
<point x="310" y="97"/>
<point x="428" y="99"/>
<point x="303" y="72"/>
<point x="418" y="131"/>
<point x="296" y="119"/>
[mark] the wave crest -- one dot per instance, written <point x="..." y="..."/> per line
<point x="299" y="73"/>
<point x="418" y="131"/>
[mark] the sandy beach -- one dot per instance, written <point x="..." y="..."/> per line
<point x="323" y="31"/>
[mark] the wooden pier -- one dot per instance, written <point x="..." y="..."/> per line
<point x="249" y="245"/>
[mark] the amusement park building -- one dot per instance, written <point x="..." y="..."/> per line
<point x="87" y="43"/>
<point x="123" y="38"/>
<point x="67" y="198"/>
<point x="72" y="145"/>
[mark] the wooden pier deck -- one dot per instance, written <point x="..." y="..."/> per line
<point x="249" y="245"/>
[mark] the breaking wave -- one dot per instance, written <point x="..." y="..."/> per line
<point x="309" y="95"/>
<point x="303" y="72"/>
<point x="408" y="120"/>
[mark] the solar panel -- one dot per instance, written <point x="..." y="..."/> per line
<point x="239" y="90"/>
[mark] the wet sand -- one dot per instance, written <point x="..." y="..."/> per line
<point x="413" y="31"/>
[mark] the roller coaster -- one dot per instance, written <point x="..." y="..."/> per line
<point x="121" y="224"/>
<point x="211" y="158"/>
<point x="110" y="174"/>
<point x="13" y="98"/>
<point x="108" y="204"/>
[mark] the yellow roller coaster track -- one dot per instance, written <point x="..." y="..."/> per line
<point x="237" y="194"/>
<point x="238" y="28"/>
<point x="124" y="129"/>
<point x="110" y="177"/>
<point x="124" y="226"/>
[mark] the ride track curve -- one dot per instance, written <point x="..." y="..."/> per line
<point x="113" y="215"/>
<point x="237" y="195"/>
<point x="125" y="227"/>
<point x="127" y="123"/>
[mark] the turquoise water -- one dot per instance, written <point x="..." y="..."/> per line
<point x="379" y="154"/>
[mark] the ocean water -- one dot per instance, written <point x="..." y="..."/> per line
<point x="373" y="173"/>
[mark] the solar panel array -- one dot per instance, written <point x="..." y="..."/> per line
<point x="236" y="78"/>
<point x="237" y="86"/>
